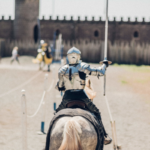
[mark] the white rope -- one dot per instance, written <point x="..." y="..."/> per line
<point x="39" y="105"/>
<point x="110" y="115"/>
<point x="20" y="86"/>
<point x="42" y="99"/>
<point x="50" y="86"/>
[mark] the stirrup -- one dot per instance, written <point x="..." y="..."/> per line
<point x="107" y="140"/>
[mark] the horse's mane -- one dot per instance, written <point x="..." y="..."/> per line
<point x="71" y="138"/>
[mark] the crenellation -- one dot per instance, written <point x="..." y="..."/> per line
<point x="93" y="19"/>
<point x="9" y="17"/>
<point x="43" y="17"/>
<point x="128" y="19"/>
<point x="71" y="19"/>
<point x="50" y="17"/>
<point x="78" y="18"/>
<point x="143" y="19"/>
<point x="86" y="19"/>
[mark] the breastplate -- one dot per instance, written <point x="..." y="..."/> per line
<point x="72" y="80"/>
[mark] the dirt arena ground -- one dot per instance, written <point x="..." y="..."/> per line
<point x="127" y="90"/>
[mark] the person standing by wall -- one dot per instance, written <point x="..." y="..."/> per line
<point x="15" y="55"/>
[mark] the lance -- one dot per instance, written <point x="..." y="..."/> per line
<point x="105" y="61"/>
<point x="105" y="46"/>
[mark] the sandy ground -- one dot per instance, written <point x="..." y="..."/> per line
<point x="130" y="106"/>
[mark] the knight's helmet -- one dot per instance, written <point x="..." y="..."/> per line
<point x="74" y="55"/>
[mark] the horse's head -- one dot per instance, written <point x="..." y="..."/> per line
<point x="89" y="90"/>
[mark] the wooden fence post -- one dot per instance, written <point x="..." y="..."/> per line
<point x="24" y="121"/>
<point x="44" y="106"/>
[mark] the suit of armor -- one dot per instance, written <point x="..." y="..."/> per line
<point x="72" y="79"/>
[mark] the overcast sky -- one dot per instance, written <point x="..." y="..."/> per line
<point x="89" y="8"/>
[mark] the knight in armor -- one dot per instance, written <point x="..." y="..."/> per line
<point x="72" y="78"/>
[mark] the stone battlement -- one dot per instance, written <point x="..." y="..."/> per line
<point x="84" y="20"/>
<point x="93" y="19"/>
<point x="3" y="18"/>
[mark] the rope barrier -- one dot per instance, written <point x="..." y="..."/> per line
<point x="110" y="115"/>
<point x="50" y="86"/>
<point x="20" y="85"/>
<point x="42" y="99"/>
<point x="39" y="106"/>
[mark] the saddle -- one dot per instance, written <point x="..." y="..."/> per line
<point x="76" y="104"/>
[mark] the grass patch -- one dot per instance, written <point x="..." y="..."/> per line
<point x="142" y="68"/>
<point x="124" y="82"/>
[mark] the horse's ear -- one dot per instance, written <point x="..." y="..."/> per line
<point x="88" y="82"/>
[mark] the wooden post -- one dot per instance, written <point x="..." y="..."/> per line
<point x="54" y="106"/>
<point x="54" y="78"/>
<point x="113" y="135"/>
<point x="24" y="121"/>
<point x="44" y="106"/>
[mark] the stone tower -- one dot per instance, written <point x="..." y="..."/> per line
<point x="25" y="23"/>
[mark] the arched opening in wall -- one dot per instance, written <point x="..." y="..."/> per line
<point x="136" y="34"/>
<point x="96" y="33"/>
<point x="36" y="33"/>
<point x="57" y="32"/>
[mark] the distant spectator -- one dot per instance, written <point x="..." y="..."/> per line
<point x="15" y="55"/>
<point x="49" y="56"/>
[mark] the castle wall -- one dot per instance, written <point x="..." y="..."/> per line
<point x="23" y="28"/>
<point x="125" y="31"/>
<point x="77" y="29"/>
<point x="6" y="28"/>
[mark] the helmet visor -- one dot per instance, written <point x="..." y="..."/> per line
<point x="73" y="58"/>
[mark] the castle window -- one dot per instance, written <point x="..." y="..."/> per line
<point x="57" y="32"/>
<point x="96" y="33"/>
<point x="136" y="34"/>
<point x="36" y="33"/>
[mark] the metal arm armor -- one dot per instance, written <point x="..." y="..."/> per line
<point x="61" y="73"/>
<point x="100" y="71"/>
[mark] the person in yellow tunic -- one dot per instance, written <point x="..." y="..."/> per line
<point x="43" y="56"/>
<point x="47" y="56"/>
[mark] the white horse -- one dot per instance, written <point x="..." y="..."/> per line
<point x="74" y="133"/>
